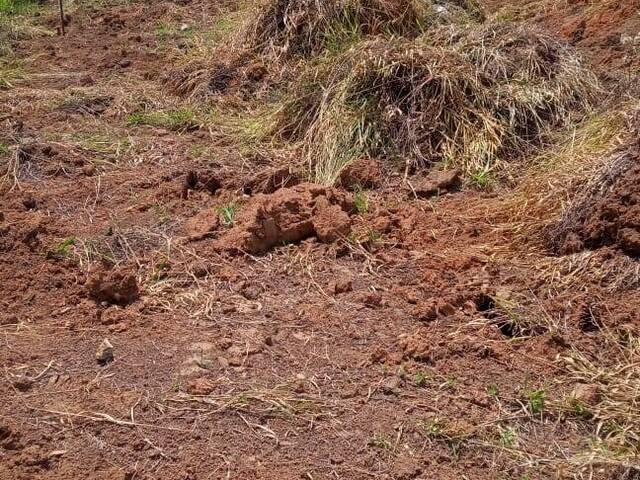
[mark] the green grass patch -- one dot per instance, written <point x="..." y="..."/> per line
<point x="10" y="8"/>
<point x="536" y="401"/>
<point x="228" y="213"/>
<point x="103" y="144"/>
<point x="179" y="120"/>
<point x="361" y="201"/>
<point x="4" y="149"/>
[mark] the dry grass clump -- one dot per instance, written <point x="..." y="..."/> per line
<point x="613" y="405"/>
<point x="466" y="96"/>
<point x="303" y="27"/>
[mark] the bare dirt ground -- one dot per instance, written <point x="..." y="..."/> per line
<point x="265" y="327"/>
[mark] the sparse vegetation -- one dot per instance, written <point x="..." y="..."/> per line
<point x="361" y="201"/>
<point x="448" y="336"/>
<point x="381" y="442"/>
<point x="228" y="213"/>
<point x="420" y="379"/>
<point x="179" y="119"/>
<point x="10" y="73"/>
<point x="536" y="401"/>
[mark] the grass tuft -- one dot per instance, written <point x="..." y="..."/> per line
<point x="179" y="120"/>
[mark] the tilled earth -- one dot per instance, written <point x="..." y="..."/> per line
<point x="303" y="337"/>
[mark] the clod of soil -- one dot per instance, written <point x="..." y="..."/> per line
<point x="609" y="219"/>
<point x="289" y="215"/>
<point x="362" y="173"/>
<point x="437" y="183"/>
<point x="116" y="286"/>
<point x="270" y="180"/>
<point x="202" y="225"/>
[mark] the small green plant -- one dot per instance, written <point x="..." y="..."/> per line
<point x="179" y="120"/>
<point x="578" y="408"/>
<point x="4" y="149"/>
<point x="228" y="212"/>
<point x="352" y="238"/>
<point x="480" y="178"/>
<point x="65" y="246"/>
<point x="493" y="391"/>
<point x="433" y="428"/>
<point x="380" y="441"/>
<point x="361" y="201"/>
<point x="420" y="379"/>
<point x="160" y="271"/>
<point x="535" y="401"/>
<point x="373" y="237"/>
<point x="508" y="436"/>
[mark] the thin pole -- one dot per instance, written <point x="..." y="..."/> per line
<point x="61" y="17"/>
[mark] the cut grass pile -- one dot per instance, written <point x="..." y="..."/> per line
<point x="287" y="28"/>
<point x="466" y="96"/>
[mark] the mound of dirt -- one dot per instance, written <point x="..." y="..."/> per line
<point x="362" y="173"/>
<point x="289" y="215"/>
<point x="608" y="216"/>
<point x="116" y="286"/>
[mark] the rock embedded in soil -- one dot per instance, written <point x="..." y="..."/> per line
<point x="89" y="170"/>
<point x="289" y="215"/>
<point x="330" y="222"/>
<point x="437" y="183"/>
<point x="116" y="286"/>
<point x="104" y="353"/>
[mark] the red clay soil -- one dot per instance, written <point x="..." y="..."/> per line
<point x="305" y="340"/>
<point x="606" y="30"/>
<point x="614" y="219"/>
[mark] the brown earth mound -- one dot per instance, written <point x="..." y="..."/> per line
<point x="288" y="216"/>
<point x="608" y="215"/>
<point x="115" y="286"/>
<point x="606" y="30"/>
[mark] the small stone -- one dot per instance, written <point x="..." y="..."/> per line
<point x="104" y="354"/>
<point x="391" y="385"/>
<point x="437" y="182"/>
<point x="89" y="170"/>
<point x="125" y="63"/>
<point x="372" y="299"/>
<point x="200" y="386"/>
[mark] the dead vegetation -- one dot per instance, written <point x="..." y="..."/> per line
<point x="611" y="405"/>
<point x="288" y="28"/>
<point x="423" y="81"/>
<point x="468" y="99"/>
